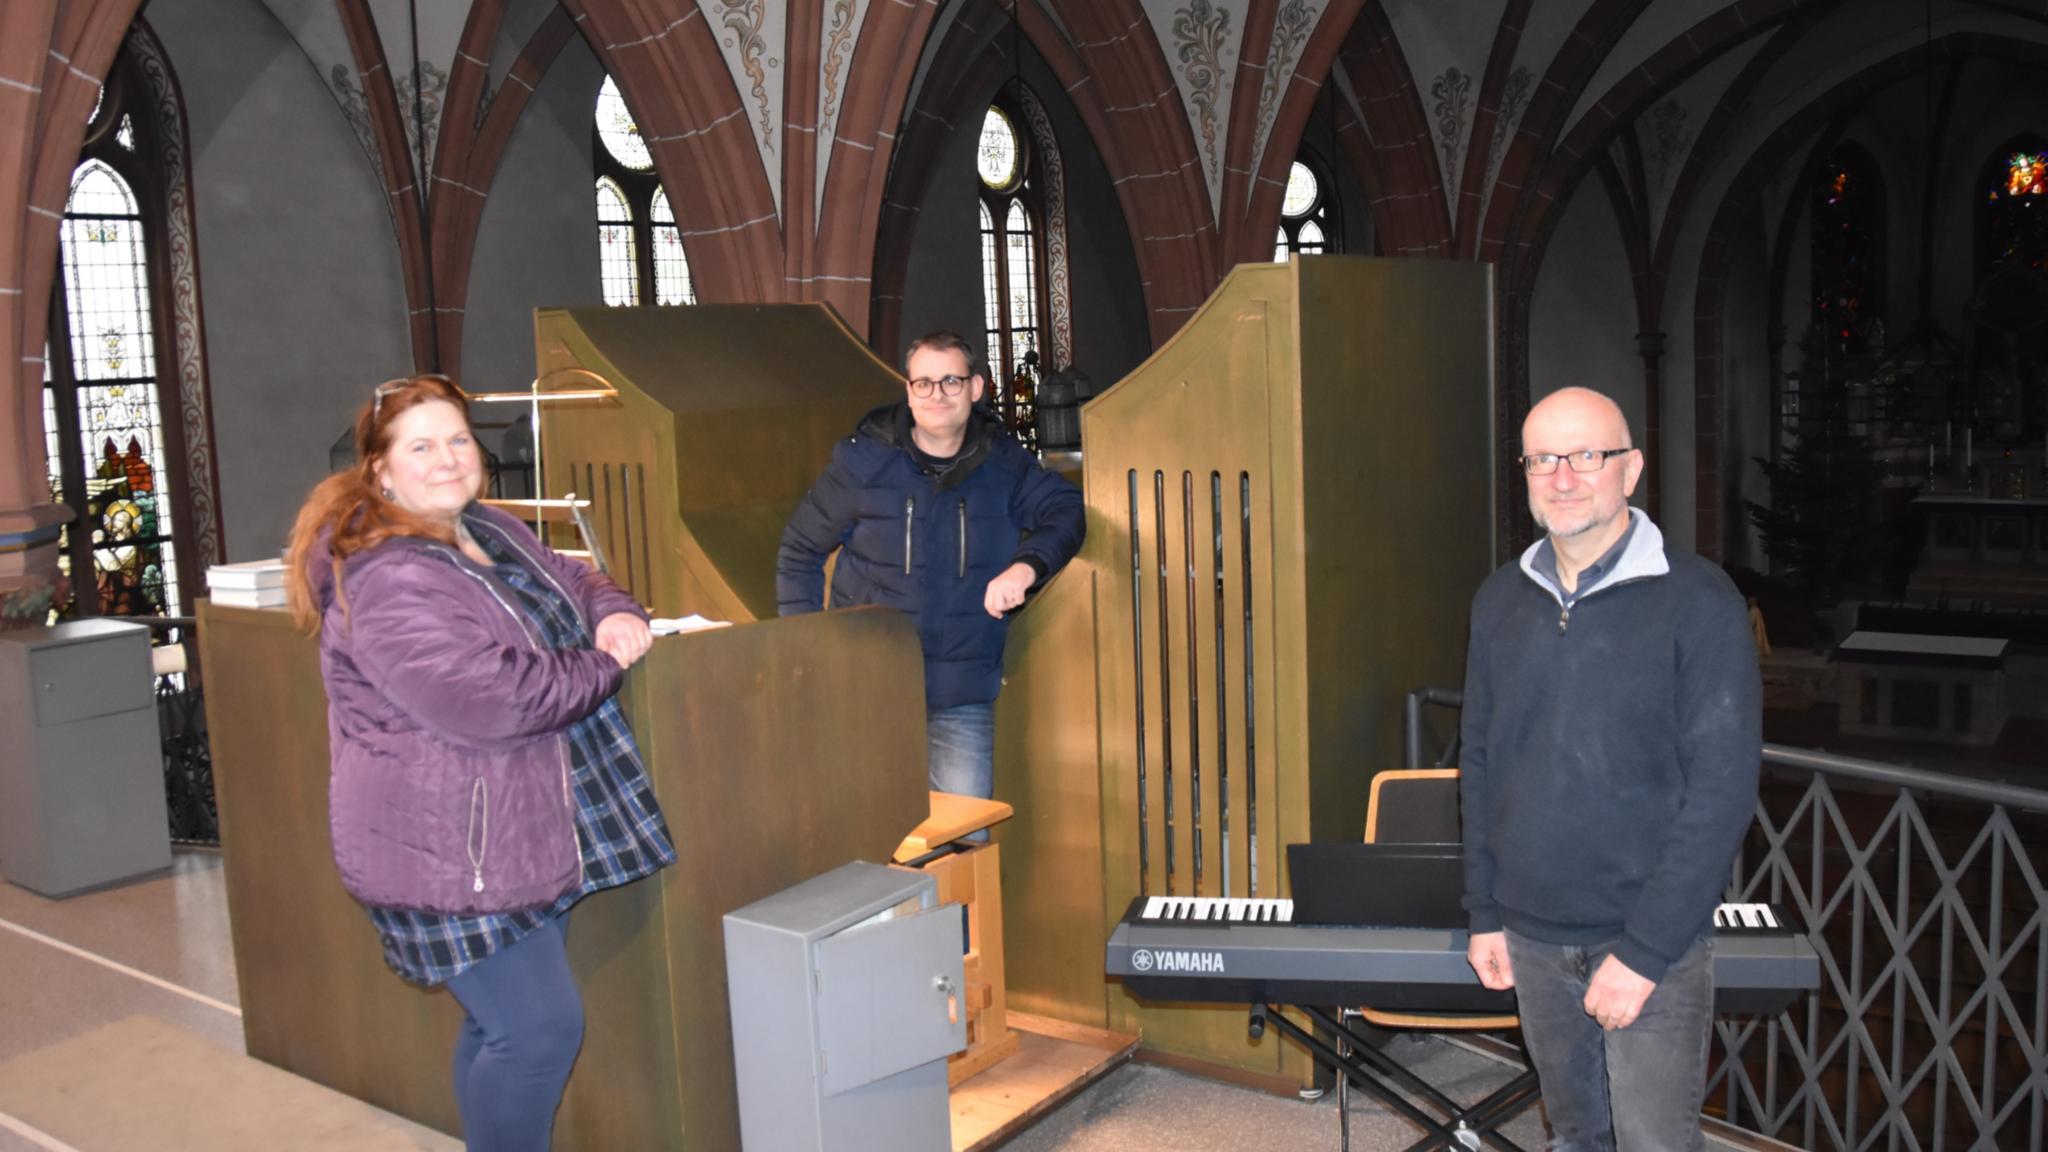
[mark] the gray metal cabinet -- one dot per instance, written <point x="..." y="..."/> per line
<point x="81" y="767"/>
<point x="847" y="997"/>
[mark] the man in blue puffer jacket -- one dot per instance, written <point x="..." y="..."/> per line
<point x="936" y="511"/>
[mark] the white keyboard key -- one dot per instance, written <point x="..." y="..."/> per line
<point x="1287" y="912"/>
<point x="1154" y="906"/>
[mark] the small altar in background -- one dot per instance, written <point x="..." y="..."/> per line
<point x="1913" y="687"/>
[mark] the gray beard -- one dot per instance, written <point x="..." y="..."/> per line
<point x="1581" y="530"/>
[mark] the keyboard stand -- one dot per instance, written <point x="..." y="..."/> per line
<point x="1385" y="1080"/>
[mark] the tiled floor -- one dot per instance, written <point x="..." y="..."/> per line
<point x="152" y="962"/>
<point x="157" y="948"/>
<point x="148" y="958"/>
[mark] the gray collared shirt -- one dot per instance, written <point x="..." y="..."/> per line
<point x="1545" y="564"/>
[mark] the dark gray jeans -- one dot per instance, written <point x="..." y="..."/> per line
<point x="1636" y="1089"/>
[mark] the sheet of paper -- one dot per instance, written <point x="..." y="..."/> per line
<point x="662" y="626"/>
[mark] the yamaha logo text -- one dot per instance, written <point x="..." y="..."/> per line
<point x="1176" y="960"/>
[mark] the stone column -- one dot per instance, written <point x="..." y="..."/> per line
<point x="28" y="561"/>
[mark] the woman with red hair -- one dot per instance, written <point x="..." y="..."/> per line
<point x="484" y="777"/>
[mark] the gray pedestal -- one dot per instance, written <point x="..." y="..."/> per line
<point x="847" y="996"/>
<point x="82" y="774"/>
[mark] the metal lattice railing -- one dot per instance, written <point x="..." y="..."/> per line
<point x="181" y="726"/>
<point x="1922" y="894"/>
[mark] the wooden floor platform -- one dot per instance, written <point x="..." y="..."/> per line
<point x="1054" y="1060"/>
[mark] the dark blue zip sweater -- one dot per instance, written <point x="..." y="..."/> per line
<point x="1611" y="743"/>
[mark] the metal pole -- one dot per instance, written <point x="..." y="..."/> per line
<point x="1187" y="552"/>
<point x="1222" y="684"/>
<point x="1165" y="669"/>
<point x="1138" y="681"/>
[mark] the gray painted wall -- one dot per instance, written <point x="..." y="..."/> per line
<point x="299" y="271"/>
<point x="1582" y="320"/>
<point x="536" y="244"/>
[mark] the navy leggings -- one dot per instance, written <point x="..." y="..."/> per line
<point x="524" y="1029"/>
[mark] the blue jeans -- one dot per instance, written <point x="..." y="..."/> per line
<point x="961" y="743"/>
<point x="960" y="753"/>
<point x="1636" y="1089"/>
<point x="515" y="1051"/>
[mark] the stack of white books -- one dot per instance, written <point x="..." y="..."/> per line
<point x="250" y="584"/>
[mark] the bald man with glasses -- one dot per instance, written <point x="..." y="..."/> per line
<point x="1611" y="734"/>
<point x="936" y="511"/>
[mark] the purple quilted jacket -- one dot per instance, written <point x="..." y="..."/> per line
<point x="446" y="715"/>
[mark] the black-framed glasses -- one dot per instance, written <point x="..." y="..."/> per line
<point x="391" y="386"/>
<point x="947" y="385"/>
<point x="1589" y="460"/>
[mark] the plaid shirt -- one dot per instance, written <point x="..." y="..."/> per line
<point x="618" y="824"/>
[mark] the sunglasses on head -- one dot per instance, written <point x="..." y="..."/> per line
<point x="391" y="387"/>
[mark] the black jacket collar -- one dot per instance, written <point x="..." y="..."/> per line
<point x="891" y="424"/>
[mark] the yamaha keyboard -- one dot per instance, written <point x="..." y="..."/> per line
<point x="1249" y="951"/>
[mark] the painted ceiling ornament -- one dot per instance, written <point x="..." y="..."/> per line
<point x="1291" y="26"/>
<point x="836" y="50"/>
<point x="1669" y="138"/>
<point x="1513" y="96"/>
<point x="1201" y="37"/>
<point x="432" y="85"/>
<point x="355" y="108"/>
<point x="743" y="21"/>
<point x="1452" y="92"/>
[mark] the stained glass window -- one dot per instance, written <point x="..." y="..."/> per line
<point x="1848" y="246"/>
<point x="1301" y="195"/>
<point x="2027" y="174"/>
<point x="671" y="267"/>
<point x="991" y="280"/>
<point x="641" y="259"/>
<point x="2005" y="308"/>
<point x="107" y="277"/>
<point x="2015" y="216"/>
<point x="997" y="157"/>
<point x="1012" y="181"/>
<point x="620" y="270"/>
<point x="616" y="127"/>
<point x="119" y="425"/>
<point x="1021" y="255"/>
<point x="1307" y="210"/>
<point x="1023" y="264"/>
